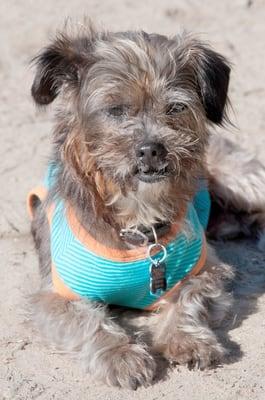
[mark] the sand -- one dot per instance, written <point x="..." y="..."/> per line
<point x="28" y="368"/>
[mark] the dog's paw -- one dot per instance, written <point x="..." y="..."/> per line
<point x="128" y="366"/>
<point x="187" y="350"/>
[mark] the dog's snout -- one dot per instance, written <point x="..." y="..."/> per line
<point x="151" y="154"/>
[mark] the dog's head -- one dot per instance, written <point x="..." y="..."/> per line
<point x="133" y="114"/>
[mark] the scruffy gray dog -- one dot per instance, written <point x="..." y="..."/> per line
<point x="131" y="151"/>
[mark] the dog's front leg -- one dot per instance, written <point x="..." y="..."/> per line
<point x="183" y="329"/>
<point x="85" y="330"/>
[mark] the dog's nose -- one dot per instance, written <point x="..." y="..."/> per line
<point x="151" y="155"/>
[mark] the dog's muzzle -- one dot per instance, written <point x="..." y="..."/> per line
<point x="152" y="165"/>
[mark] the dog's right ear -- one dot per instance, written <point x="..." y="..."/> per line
<point x="60" y="63"/>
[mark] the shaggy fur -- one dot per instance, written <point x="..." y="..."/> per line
<point x="117" y="91"/>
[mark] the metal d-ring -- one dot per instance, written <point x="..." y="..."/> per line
<point x="151" y="247"/>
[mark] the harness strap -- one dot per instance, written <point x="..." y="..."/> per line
<point x="34" y="198"/>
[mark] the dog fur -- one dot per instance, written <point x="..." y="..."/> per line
<point x="116" y="90"/>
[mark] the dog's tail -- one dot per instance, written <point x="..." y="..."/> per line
<point x="237" y="187"/>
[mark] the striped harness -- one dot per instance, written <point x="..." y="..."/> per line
<point x="84" y="268"/>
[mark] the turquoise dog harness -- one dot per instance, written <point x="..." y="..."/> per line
<point x="85" y="268"/>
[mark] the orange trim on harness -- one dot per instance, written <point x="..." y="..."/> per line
<point x="61" y="288"/>
<point x="113" y="254"/>
<point x="38" y="193"/>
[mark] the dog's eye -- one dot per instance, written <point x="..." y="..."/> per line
<point x="117" y="111"/>
<point x="175" y="108"/>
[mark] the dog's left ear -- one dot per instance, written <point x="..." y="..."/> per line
<point x="212" y="76"/>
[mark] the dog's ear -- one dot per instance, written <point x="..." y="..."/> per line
<point x="212" y="76"/>
<point x="59" y="63"/>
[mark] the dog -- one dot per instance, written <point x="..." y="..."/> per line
<point x="129" y="179"/>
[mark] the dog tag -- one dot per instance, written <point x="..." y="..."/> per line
<point x="158" y="281"/>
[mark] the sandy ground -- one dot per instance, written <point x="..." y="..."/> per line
<point x="29" y="369"/>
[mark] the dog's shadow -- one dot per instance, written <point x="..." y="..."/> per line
<point x="248" y="285"/>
